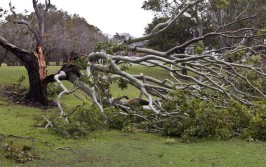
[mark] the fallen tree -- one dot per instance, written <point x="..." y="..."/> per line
<point x="217" y="98"/>
<point x="211" y="77"/>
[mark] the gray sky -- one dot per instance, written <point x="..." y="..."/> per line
<point x="110" y="16"/>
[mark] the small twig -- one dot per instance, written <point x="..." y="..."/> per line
<point x="48" y="124"/>
<point x="65" y="148"/>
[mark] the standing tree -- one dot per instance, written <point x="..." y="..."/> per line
<point x="55" y="33"/>
<point x="34" y="61"/>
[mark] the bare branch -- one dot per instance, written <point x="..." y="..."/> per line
<point x="178" y="12"/>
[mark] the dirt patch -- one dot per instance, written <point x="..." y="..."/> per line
<point x="20" y="98"/>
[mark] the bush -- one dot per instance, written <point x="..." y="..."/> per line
<point x="208" y="123"/>
<point x="239" y="116"/>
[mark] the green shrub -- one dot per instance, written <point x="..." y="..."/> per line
<point x="258" y="127"/>
<point x="198" y="119"/>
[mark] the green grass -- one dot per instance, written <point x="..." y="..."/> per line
<point x="111" y="147"/>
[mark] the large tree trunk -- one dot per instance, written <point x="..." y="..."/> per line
<point x="37" y="73"/>
<point x="36" y="67"/>
<point x="34" y="62"/>
<point x="37" y="87"/>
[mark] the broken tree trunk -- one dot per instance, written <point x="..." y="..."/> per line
<point x="36" y="68"/>
<point x="37" y="77"/>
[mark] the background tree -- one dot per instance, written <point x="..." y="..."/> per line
<point x="35" y="62"/>
<point x="70" y="34"/>
<point x="184" y="30"/>
<point x="60" y="35"/>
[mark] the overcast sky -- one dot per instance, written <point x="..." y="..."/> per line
<point x="110" y="16"/>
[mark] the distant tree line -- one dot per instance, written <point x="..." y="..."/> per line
<point x="65" y="36"/>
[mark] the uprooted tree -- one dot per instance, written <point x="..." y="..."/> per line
<point x="211" y="77"/>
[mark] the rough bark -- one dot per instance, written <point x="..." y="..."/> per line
<point x="36" y="69"/>
<point x="34" y="62"/>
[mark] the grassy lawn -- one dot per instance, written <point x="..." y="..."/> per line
<point x="110" y="147"/>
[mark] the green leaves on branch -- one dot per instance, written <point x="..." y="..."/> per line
<point x="81" y="63"/>
<point x="220" y="4"/>
<point x="122" y="84"/>
<point x="262" y="32"/>
<point x="189" y="119"/>
<point x="154" y="5"/>
<point x="104" y="46"/>
<point x="254" y="78"/>
<point x="109" y="47"/>
<point x="85" y="120"/>
<point x="257" y="128"/>
<point x="199" y="47"/>
<point x="201" y="119"/>
<point x="236" y="54"/>
<point x="254" y="60"/>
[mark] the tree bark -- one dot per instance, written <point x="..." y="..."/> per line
<point x="36" y="68"/>
<point x="37" y="73"/>
<point x="34" y="62"/>
<point x="37" y="89"/>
